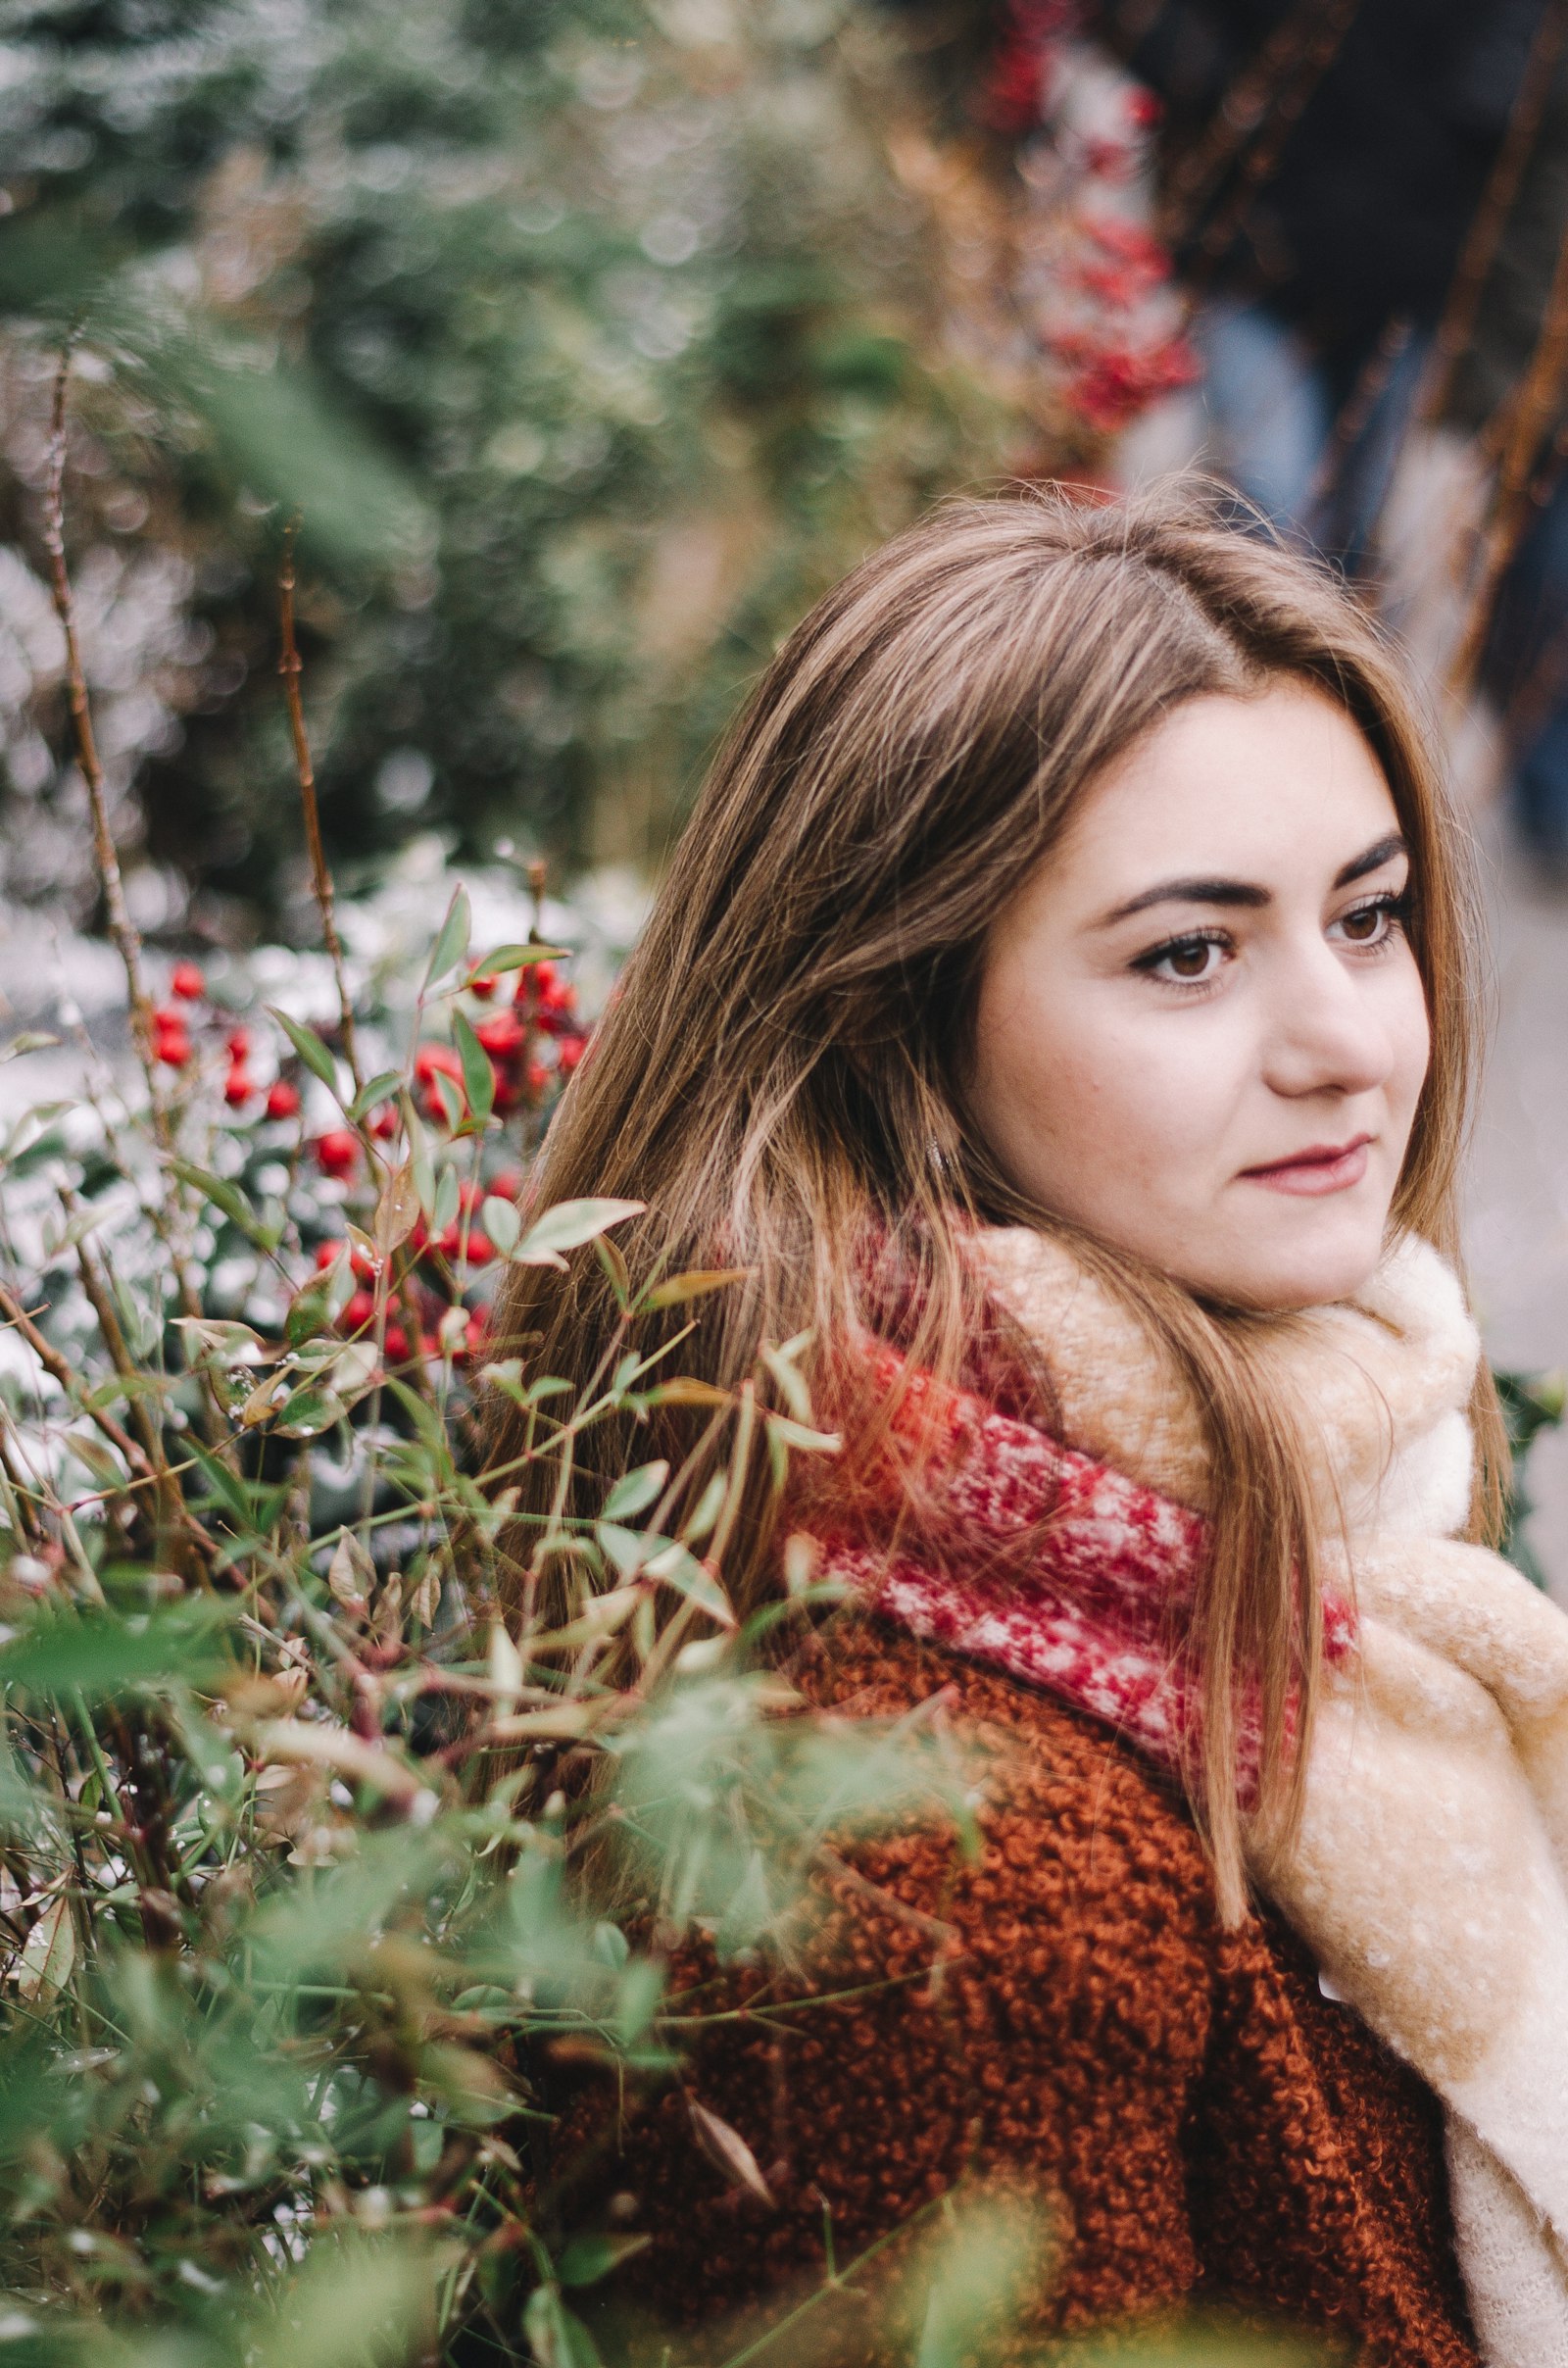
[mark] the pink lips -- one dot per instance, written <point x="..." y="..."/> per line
<point x="1324" y="1168"/>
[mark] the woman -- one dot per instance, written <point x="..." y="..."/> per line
<point x="1058" y="1008"/>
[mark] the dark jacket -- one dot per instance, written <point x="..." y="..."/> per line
<point x="1384" y="158"/>
<point x="1061" y="2015"/>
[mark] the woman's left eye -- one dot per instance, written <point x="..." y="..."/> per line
<point x="1373" y="924"/>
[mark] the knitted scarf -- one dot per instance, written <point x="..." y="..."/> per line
<point x="1430" y="1874"/>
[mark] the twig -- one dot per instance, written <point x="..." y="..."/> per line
<point x="121" y="928"/>
<point x="1334" y="18"/>
<point x="1517" y="432"/>
<point x="14" y="1313"/>
<point x="1477" y="255"/>
<point x="288" y="666"/>
<point x="1266" y="99"/>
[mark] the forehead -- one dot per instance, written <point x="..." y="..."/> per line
<point x="1273" y="789"/>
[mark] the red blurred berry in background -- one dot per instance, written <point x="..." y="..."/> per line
<point x="188" y="980"/>
<point x="338" y="1152"/>
<point x="171" y="1040"/>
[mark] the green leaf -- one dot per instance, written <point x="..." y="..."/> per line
<point x="309" y="1413"/>
<point x="634" y="1492"/>
<point x="378" y="1090"/>
<point x="501" y="1222"/>
<point x="640" y="1552"/>
<point x="557" y="2337"/>
<point x="568" y="1225"/>
<point x="478" y="1077"/>
<point x="447" y="1201"/>
<point x="587" y="2259"/>
<point x="48" y="1954"/>
<point x="695" y="1284"/>
<point x="453" y="1105"/>
<point x="309" y="1045"/>
<point x="515" y="957"/>
<point x="227" y="1198"/>
<point x="310" y="1311"/>
<point x="420" y="1158"/>
<point x="101" y="1654"/>
<point x="452" y="941"/>
<point x="31" y="1042"/>
<point x="230" y="1491"/>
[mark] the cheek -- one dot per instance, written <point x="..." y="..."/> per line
<point x="1410" y="1034"/>
<point x="1087" y="1108"/>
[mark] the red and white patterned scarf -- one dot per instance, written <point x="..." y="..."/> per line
<point x="1035" y="1559"/>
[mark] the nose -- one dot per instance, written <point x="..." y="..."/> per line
<point x="1327" y="1032"/>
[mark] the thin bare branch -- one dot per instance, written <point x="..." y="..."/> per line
<point x="1477" y="255"/>
<point x="1518" y="433"/>
<point x="288" y="666"/>
<point x="121" y="928"/>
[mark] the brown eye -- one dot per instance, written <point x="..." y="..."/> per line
<point x="1366" y="924"/>
<point x="1191" y="960"/>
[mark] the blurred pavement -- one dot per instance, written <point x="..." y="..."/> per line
<point x="1516" y="1222"/>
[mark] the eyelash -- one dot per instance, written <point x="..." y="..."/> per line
<point x="1394" y="903"/>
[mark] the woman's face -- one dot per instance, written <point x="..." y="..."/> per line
<point x="1202" y="1033"/>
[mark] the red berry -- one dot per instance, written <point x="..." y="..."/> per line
<point x="432" y="1058"/>
<point x="237" y="1043"/>
<point x="173" y="1045"/>
<point x="570" y="1052"/>
<point x="507" y="1185"/>
<point x="485" y="988"/>
<point x="282" y="1098"/>
<point x="188" y="980"/>
<point x="338" y="1152"/>
<point x="327" y="1255"/>
<point x="384" y="1124"/>
<point x="357" y="1312"/>
<point x="501" y="1036"/>
<point x="238" y="1088"/>
<point x="396" y="1344"/>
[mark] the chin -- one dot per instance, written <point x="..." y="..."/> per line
<point x="1309" y="1267"/>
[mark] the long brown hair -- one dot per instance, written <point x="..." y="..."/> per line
<point x="784" y="1063"/>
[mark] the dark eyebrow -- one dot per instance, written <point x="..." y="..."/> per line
<point x="1381" y="852"/>
<point x="1247" y="892"/>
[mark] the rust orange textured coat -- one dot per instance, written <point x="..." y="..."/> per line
<point x="1202" y="2124"/>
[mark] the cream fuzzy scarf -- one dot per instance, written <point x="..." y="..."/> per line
<point x="1431" y="1873"/>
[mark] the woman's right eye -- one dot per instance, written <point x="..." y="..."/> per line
<point x="1186" y="961"/>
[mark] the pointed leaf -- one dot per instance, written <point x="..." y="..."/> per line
<point x="397" y="1211"/>
<point x="515" y="957"/>
<point x="309" y="1045"/>
<point x="634" y="1492"/>
<point x="379" y="1089"/>
<point x="697" y="1284"/>
<point x="501" y="1222"/>
<point x="452" y="941"/>
<point x="225" y="1196"/>
<point x="478" y="1077"/>
<point x="48" y="1954"/>
<point x="568" y="1225"/>
<point x="728" y="2152"/>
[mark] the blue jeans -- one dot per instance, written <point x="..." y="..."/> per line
<point x="1273" y="406"/>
